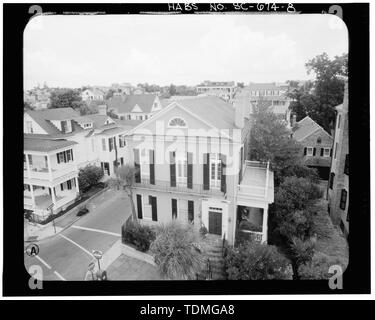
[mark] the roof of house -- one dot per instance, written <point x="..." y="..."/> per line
<point x="45" y="145"/>
<point x="212" y="109"/>
<point x="306" y="127"/>
<point x="264" y="86"/>
<point x="125" y="104"/>
<point x="45" y="116"/>
<point x="217" y="84"/>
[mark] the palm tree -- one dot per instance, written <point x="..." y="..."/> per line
<point x="177" y="252"/>
<point x="125" y="178"/>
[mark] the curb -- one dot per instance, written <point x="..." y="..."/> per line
<point x="69" y="224"/>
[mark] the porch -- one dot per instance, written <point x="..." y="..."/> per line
<point x="251" y="224"/>
<point x="39" y="198"/>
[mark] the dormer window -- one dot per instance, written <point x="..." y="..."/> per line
<point x="66" y="126"/>
<point x="177" y="122"/>
<point x="87" y="125"/>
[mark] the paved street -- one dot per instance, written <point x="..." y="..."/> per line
<point x="67" y="255"/>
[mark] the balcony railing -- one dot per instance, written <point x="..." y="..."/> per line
<point x="43" y="173"/>
<point x="182" y="188"/>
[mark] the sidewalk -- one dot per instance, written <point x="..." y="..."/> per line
<point x="35" y="232"/>
<point x="122" y="267"/>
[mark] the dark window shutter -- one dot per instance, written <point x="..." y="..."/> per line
<point x="152" y="166"/>
<point x="69" y="185"/>
<point x="331" y="180"/>
<point x="64" y="155"/>
<point x="137" y="166"/>
<point x="174" y="208"/>
<point x="346" y="168"/>
<point x="314" y="151"/>
<point x="206" y="171"/>
<point x="330" y="153"/>
<point x="344" y="195"/>
<point x="172" y="156"/>
<point x="304" y="151"/>
<point x="190" y="211"/>
<point x="223" y="159"/>
<point x="321" y="152"/>
<point x="58" y="158"/>
<point x="62" y="186"/>
<point x="190" y="170"/>
<point x="139" y="206"/>
<point x="71" y="153"/>
<point x="154" y="209"/>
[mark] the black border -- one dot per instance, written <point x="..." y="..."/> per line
<point x="15" y="278"/>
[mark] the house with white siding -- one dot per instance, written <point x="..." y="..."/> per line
<point x="191" y="166"/>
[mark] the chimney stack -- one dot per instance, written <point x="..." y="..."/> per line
<point x="102" y="109"/>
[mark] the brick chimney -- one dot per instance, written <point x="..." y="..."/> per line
<point x="102" y="109"/>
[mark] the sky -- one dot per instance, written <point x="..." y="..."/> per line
<point x="74" y="51"/>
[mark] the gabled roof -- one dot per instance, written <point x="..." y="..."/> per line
<point x="98" y="120"/>
<point x="125" y="104"/>
<point x="305" y="128"/>
<point x="213" y="110"/>
<point x="45" y="116"/>
<point x="45" y="145"/>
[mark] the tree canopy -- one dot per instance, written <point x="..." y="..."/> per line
<point x="66" y="98"/>
<point x="317" y="99"/>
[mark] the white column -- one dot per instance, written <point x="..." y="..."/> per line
<point x="77" y="186"/>
<point x="28" y="166"/>
<point x="265" y="225"/>
<point x="32" y="194"/>
<point x="53" y="195"/>
<point x="49" y="167"/>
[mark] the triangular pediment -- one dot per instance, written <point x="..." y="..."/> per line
<point x="137" y="108"/>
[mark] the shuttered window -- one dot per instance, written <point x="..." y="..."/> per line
<point x="191" y="211"/>
<point x="172" y="168"/>
<point x="331" y="180"/>
<point x="152" y="166"/>
<point x="344" y="195"/>
<point x="174" y="208"/>
<point x="139" y="206"/>
<point x="137" y="166"/>
<point x="190" y="170"/>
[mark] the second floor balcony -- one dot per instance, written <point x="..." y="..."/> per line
<point x="165" y="186"/>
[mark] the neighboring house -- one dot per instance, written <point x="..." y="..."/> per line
<point x="195" y="171"/>
<point x="138" y="90"/>
<point x="50" y="175"/>
<point x="338" y="186"/>
<point x="274" y="95"/>
<point x="317" y="145"/>
<point x="224" y="90"/>
<point x="87" y="131"/>
<point x="92" y="94"/>
<point x="134" y="107"/>
<point x="121" y="89"/>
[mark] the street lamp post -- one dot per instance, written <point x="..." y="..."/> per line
<point x="49" y="208"/>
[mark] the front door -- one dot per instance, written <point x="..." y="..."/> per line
<point x="214" y="222"/>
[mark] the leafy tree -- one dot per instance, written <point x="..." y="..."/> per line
<point x="172" y="90"/>
<point x="109" y="94"/>
<point x="27" y="106"/>
<point x="66" y="98"/>
<point x="254" y="261"/>
<point x="89" y="176"/>
<point x="292" y="219"/>
<point x="176" y="251"/>
<point x="240" y="84"/>
<point x="125" y="179"/>
<point x="327" y="92"/>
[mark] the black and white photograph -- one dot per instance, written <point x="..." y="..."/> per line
<point x="188" y="145"/>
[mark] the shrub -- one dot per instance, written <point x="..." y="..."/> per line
<point x="89" y="176"/>
<point x="203" y="231"/>
<point x="137" y="235"/>
<point x="254" y="261"/>
<point x="176" y="252"/>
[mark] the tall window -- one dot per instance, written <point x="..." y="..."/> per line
<point x="29" y="125"/>
<point x="327" y="152"/>
<point x="331" y="180"/>
<point x="181" y="168"/>
<point x="309" y="151"/>
<point x="215" y="170"/>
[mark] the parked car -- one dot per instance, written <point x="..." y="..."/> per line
<point x="82" y="212"/>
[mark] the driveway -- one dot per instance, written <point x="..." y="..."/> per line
<point x="66" y="256"/>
